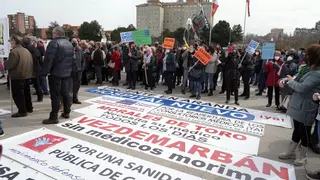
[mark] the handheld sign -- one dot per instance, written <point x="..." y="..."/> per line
<point x="268" y="50"/>
<point x="126" y="37"/>
<point x="4" y="38"/>
<point x="168" y="43"/>
<point x="253" y="45"/>
<point x="203" y="56"/>
<point x="142" y="37"/>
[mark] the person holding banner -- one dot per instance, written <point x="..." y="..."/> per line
<point x="196" y="76"/>
<point x="232" y="75"/>
<point x="210" y="69"/>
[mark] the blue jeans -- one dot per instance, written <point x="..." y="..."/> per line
<point x="44" y="84"/>
<point x="208" y="80"/>
<point x="98" y="70"/>
<point x="197" y="88"/>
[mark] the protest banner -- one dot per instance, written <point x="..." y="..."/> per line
<point x="64" y="157"/>
<point x="4" y="38"/>
<point x="268" y="50"/>
<point x="225" y="111"/>
<point x="210" y="159"/>
<point x="253" y="45"/>
<point x="4" y="112"/>
<point x="142" y="37"/>
<point x="172" y="127"/>
<point x="124" y="103"/>
<point x="168" y="43"/>
<point x="203" y="56"/>
<point x="126" y="37"/>
<point x="211" y="120"/>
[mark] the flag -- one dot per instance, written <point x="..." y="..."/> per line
<point x="248" y="2"/>
<point x="215" y="6"/>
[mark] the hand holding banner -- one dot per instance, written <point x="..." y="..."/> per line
<point x="203" y="56"/>
<point x="168" y="43"/>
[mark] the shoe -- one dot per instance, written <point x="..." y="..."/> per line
<point x="133" y="88"/>
<point x="278" y="108"/>
<point x="227" y="101"/>
<point x="168" y="92"/>
<point x="198" y="97"/>
<point x="152" y="88"/>
<point x="17" y="115"/>
<point x="192" y="96"/>
<point x="65" y="116"/>
<point x="50" y="121"/>
<point x="2" y="133"/>
<point x="242" y="95"/>
<point x="246" y="98"/>
<point x="290" y="154"/>
<point x="40" y="99"/>
<point x="313" y="175"/>
<point x="145" y="88"/>
<point x="211" y="92"/>
<point x="221" y="92"/>
<point x="237" y="103"/>
<point x="30" y="111"/>
<point x="129" y="87"/>
<point x="183" y="92"/>
<point x="77" y="102"/>
<point x="268" y="105"/>
<point x="125" y="84"/>
<point x="259" y="94"/>
<point x="205" y="91"/>
<point x="302" y="159"/>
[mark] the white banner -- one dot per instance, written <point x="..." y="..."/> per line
<point x="12" y="170"/>
<point x="4" y="37"/>
<point x="218" y="161"/>
<point x="129" y="104"/>
<point x="252" y="115"/>
<point x="173" y="128"/>
<point x="4" y="112"/>
<point x="211" y="120"/>
<point x="66" y="158"/>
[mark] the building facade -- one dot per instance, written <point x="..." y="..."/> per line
<point x="21" y="22"/>
<point x="308" y="32"/>
<point x="157" y="16"/>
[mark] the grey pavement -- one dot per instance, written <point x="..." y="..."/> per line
<point x="275" y="140"/>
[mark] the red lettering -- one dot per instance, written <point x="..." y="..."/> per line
<point x="221" y="157"/>
<point x="85" y="120"/>
<point x="227" y="134"/>
<point x="147" y="117"/>
<point x="283" y="173"/>
<point x="139" y="135"/>
<point x="97" y="123"/>
<point x="202" y="151"/>
<point x="122" y="111"/>
<point x="156" y="118"/>
<point x="198" y="128"/>
<point x="156" y="140"/>
<point x="109" y="127"/>
<point x="112" y="109"/>
<point x="239" y="137"/>
<point x="123" y="130"/>
<point x="137" y="115"/>
<point x="267" y="117"/>
<point x="130" y="113"/>
<point x="212" y="131"/>
<point x="247" y="162"/>
<point x="179" y="145"/>
<point x="103" y="107"/>
<point x="172" y="122"/>
<point x="182" y="124"/>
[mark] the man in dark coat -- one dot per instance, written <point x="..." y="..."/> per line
<point x="134" y="56"/>
<point x="30" y="43"/>
<point x="59" y="64"/>
<point x="77" y="70"/>
<point x="126" y="62"/>
<point x="232" y="75"/>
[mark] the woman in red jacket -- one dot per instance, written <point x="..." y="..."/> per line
<point x="272" y="68"/>
<point x="116" y="59"/>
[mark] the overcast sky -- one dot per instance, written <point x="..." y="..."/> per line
<point x="265" y="14"/>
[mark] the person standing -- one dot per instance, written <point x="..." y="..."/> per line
<point x="59" y="63"/>
<point x="86" y="53"/>
<point x="210" y="70"/>
<point x="20" y="67"/>
<point x="169" y="68"/>
<point x="133" y="71"/>
<point x="160" y="56"/>
<point x="185" y="65"/>
<point x="98" y="56"/>
<point x="247" y="68"/>
<point x="79" y="64"/>
<point x="272" y="68"/>
<point x="232" y="75"/>
<point x="126" y="61"/>
<point x="30" y="43"/>
<point x="43" y="79"/>
<point x="116" y="59"/>
<point x="149" y="64"/>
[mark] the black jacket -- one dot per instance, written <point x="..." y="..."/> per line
<point x="80" y="61"/>
<point x="231" y="67"/>
<point x="133" y="60"/>
<point x="59" y="59"/>
<point x="247" y="63"/>
<point x="37" y="59"/>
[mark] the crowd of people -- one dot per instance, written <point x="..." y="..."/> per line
<point x="294" y="76"/>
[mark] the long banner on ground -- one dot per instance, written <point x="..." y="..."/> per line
<point x="263" y="117"/>
<point x="188" y="115"/>
<point x="173" y="128"/>
<point x="67" y="158"/>
<point x="214" y="160"/>
<point x="11" y="170"/>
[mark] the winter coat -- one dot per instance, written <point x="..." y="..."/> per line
<point x="212" y="65"/>
<point x="197" y="72"/>
<point x="258" y="64"/>
<point x="59" y="60"/>
<point x="289" y="68"/>
<point x="136" y="56"/>
<point x="116" y="58"/>
<point x="126" y="59"/>
<point x="20" y="63"/>
<point x="37" y="60"/>
<point x="272" y="70"/>
<point x="170" y="62"/>
<point x="301" y="106"/>
<point x="98" y="56"/>
<point x="247" y="64"/>
<point x="79" y="59"/>
<point x="231" y="67"/>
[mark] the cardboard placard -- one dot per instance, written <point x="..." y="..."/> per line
<point x="141" y="37"/>
<point x="203" y="56"/>
<point x="168" y="43"/>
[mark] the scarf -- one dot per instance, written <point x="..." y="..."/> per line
<point x="147" y="58"/>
